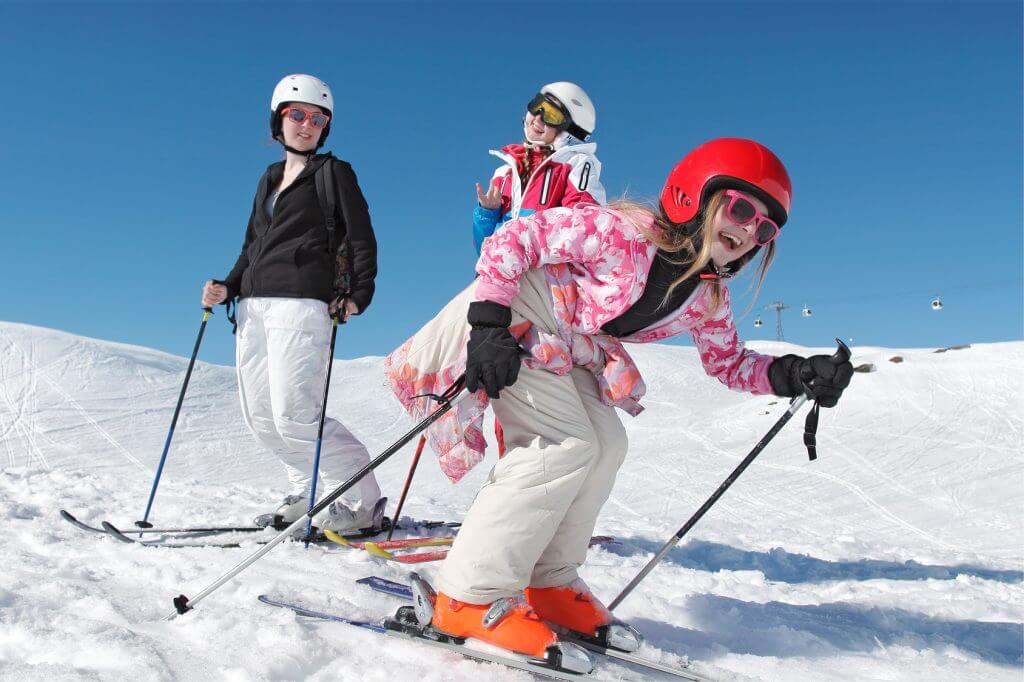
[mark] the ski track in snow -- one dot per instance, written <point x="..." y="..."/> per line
<point x="898" y="555"/>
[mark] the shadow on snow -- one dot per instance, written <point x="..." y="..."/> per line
<point x="819" y="631"/>
<point x="781" y="566"/>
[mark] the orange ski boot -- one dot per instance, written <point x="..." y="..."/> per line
<point x="575" y="608"/>
<point x="509" y="623"/>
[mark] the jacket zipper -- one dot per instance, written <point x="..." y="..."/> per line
<point x="273" y="216"/>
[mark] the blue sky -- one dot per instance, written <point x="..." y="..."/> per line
<point x="137" y="132"/>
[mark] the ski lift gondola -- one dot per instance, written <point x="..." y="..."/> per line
<point x="757" y="322"/>
<point x="937" y="303"/>
<point x="806" y="312"/>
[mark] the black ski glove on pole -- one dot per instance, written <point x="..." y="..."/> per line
<point x="825" y="378"/>
<point x="492" y="354"/>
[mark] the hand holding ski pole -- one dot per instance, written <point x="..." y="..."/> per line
<point x="214" y="293"/>
<point x="821" y="377"/>
<point x="492" y="353"/>
<point x="344" y="307"/>
<point x="841" y="356"/>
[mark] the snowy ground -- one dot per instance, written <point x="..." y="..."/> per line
<point x="898" y="555"/>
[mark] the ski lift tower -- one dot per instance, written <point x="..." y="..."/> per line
<point x="778" y="307"/>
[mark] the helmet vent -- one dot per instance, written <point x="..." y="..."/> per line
<point x="577" y="102"/>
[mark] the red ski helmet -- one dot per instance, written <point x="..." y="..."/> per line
<point x="727" y="163"/>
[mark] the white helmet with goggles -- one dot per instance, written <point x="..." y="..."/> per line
<point x="573" y="103"/>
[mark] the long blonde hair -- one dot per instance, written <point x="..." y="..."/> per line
<point x="681" y="241"/>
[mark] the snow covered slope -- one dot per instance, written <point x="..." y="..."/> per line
<point x="898" y="554"/>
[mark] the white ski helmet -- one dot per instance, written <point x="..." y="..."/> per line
<point x="300" y="87"/>
<point x="576" y="101"/>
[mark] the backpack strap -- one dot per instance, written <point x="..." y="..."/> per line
<point x="326" y="192"/>
<point x="324" y="177"/>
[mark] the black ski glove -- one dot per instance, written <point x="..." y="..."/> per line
<point x="825" y="378"/>
<point x="492" y="354"/>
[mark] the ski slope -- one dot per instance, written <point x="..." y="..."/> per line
<point x="897" y="555"/>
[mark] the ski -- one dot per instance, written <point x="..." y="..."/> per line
<point x="67" y="516"/>
<point x="213" y="530"/>
<point x="381" y="550"/>
<point x="274" y="521"/>
<point x="372" y="549"/>
<point x="393" y="628"/>
<point x="626" y="657"/>
<point x="403" y="543"/>
<point x="114" y="532"/>
<point x="403" y="591"/>
<point x="317" y="538"/>
<point x="70" y="518"/>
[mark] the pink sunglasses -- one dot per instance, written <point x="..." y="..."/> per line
<point x="316" y="120"/>
<point x="741" y="211"/>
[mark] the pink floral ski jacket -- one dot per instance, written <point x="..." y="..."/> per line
<point x="595" y="261"/>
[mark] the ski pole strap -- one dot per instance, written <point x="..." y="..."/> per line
<point x="448" y="393"/>
<point x="811" y="432"/>
<point x="231" y="311"/>
<point x="230" y="307"/>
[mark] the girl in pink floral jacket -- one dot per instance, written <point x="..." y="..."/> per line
<point x="542" y="328"/>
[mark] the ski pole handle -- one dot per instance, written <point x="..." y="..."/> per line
<point x="842" y="353"/>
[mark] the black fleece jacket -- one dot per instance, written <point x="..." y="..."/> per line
<point x="289" y="256"/>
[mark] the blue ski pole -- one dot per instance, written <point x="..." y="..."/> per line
<point x="320" y="430"/>
<point x="144" y="523"/>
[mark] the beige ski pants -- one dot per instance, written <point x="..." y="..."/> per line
<point x="531" y="523"/>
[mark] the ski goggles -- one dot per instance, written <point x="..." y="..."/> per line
<point x="550" y="111"/>
<point x="742" y="212"/>
<point x="317" y="120"/>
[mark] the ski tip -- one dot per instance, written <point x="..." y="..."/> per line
<point x="372" y="548"/>
<point x="334" y="537"/>
<point x="115" y="532"/>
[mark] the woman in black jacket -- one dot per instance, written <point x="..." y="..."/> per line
<point x="292" y="276"/>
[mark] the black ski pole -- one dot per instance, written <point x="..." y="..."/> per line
<point x="448" y="399"/>
<point x="144" y="523"/>
<point x="840" y="356"/>
<point x="320" y="430"/>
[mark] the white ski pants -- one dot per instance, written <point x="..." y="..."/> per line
<point x="531" y="522"/>
<point x="281" y="355"/>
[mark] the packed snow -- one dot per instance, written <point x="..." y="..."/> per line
<point x="897" y="555"/>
